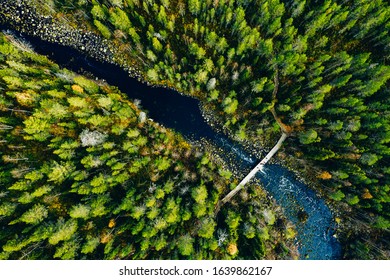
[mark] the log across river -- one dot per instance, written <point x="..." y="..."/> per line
<point x="315" y="236"/>
<point x="257" y="168"/>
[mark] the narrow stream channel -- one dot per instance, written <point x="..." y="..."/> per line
<point x="315" y="235"/>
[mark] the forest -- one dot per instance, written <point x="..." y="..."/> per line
<point x="315" y="70"/>
<point x="86" y="175"/>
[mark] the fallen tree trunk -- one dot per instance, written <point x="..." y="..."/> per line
<point x="253" y="172"/>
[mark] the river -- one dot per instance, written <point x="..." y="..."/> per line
<point x="314" y="234"/>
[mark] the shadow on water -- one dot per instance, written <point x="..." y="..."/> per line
<point x="182" y="113"/>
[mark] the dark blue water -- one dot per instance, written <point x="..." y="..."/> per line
<point x="315" y="234"/>
<point x="182" y="113"/>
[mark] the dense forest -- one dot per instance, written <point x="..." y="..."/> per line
<point x="86" y="175"/>
<point x="316" y="70"/>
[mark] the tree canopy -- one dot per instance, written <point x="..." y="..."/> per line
<point x="85" y="175"/>
<point x="315" y="68"/>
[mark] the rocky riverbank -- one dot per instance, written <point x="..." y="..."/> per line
<point x="24" y="18"/>
<point x="20" y="16"/>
